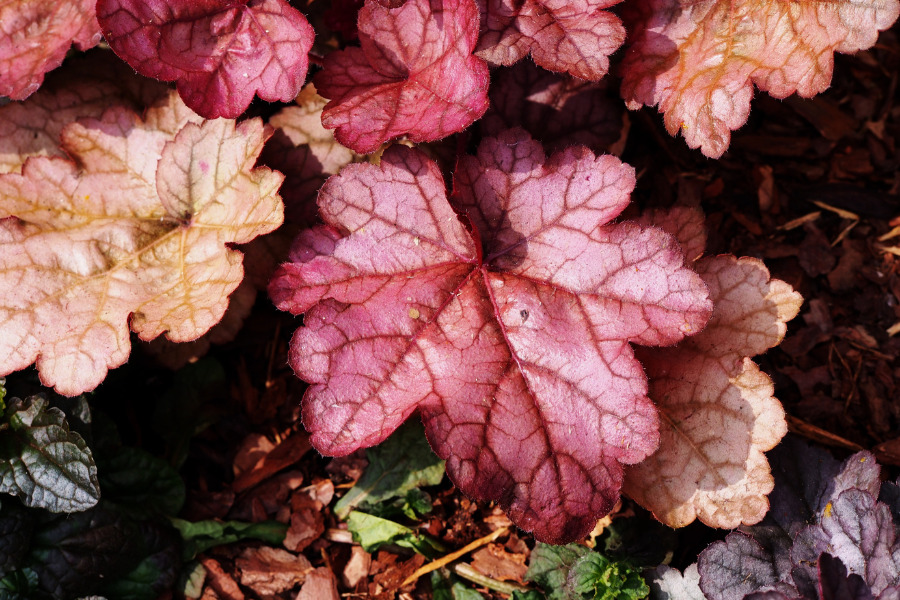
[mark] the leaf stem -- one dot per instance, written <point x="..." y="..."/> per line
<point x="440" y="562"/>
<point x="467" y="571"/>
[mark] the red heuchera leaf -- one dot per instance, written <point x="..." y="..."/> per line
<point x="35" y="36"/>
<point x="718" y="411"/>
<point x="699" y="59"/>
<point x="133" y="230"/>
<point x="513" y="341"/>
<point x="557" y="110"/>
<point x="571" y="36"/>
<point x="219" y="53"/>
<point x="413" y="75"/>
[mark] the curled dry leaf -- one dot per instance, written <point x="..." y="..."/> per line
<point x="566" y="36"/>
<point x="413" y="74"/>
<point x="699" y="60"/>
<point x="513" y="340"/>
<point x="133" y="229"/>
<point x="35" y="36"/>
<point x="219" y="53"/>
<point x="718" y="414"/>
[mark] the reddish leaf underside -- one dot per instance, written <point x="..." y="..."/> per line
<point x="35" y="36"/>
<point x="135" y="234"/>
<point x="413" y="74"/>
<point x="515" y="349"/>
<point x="698" y="60"/>
<point x="219" y="53"/>
<point x="566" y="36"/>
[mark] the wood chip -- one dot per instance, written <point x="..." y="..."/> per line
<point x="321" y="584"/>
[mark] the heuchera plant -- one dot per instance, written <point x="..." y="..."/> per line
<point x="506" y="308"/>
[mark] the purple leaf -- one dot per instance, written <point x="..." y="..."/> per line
<point x="219" y="53"/>
<point x="859" y="532"/>
<point x="413" y="74"/>
<point x="810" y="479"/>
<point x="836" y="584"/>
<point x="734" y="567"/>
<point x="512" y="340"/>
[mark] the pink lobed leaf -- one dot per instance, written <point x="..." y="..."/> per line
<point x="220" y="53"/>
<point x="699" y="60"/>
<point x="513" y="341"/>
<point x="718" y="413"/>
<point x="35" y="36"/>
<point x="136" y="232"/>
<point x="93" y="84"/>
<point x="413" y="74"/>
<point x="566" y="36"/>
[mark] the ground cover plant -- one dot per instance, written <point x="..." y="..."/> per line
<point x="477" y="235"/>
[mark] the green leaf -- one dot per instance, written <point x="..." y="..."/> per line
<point x="156" y="573"/>
<point x="203" y="535"/>
<point x="16" y="527"/>
<point x="642" y="541"/>
<point x="549" y="567"/>
<point x="371" y="532"/>
<point x="183" y="411"/>
<point x="447" y="587"/>
<point x="596" y="577"/>
<point x="529" y="595"/>
<point x="2" y="394"/>
<point x="399" y="465"/>
<point x="76" y="554"/>
<point x="18" y="585"/>
<point x="190" y="583"/>
<point x="140" y="483"/>
<point x="42" y="462"/>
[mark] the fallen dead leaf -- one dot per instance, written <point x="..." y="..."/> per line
<point x="494" y="561"/>
<point x="268" y="571"/>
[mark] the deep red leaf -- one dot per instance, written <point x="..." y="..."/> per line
<point x="516" y="348"/>
<point x="220" y="53"/>
<point x="413" y="75"/>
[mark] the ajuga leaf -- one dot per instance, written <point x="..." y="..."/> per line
<point x="413" y="74"/>
<point x="827" y="535"/>
<point x="42" y="462"/>
<point x="512" y="339"/>
<point x="133" y="233"/>
<point x="698" y="60"/>
<point x="219" y="53"/>
<point x="35" y="36"/>
<point x="567" y="36"/>
<point x="717" y="408"/>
